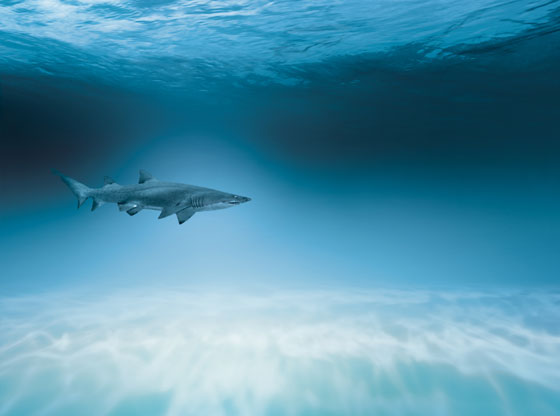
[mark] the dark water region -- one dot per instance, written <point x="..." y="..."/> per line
<point x="458" y="87"/>
<point x="492" y="107"/>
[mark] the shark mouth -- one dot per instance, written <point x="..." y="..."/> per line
<point x="239" y="200"/>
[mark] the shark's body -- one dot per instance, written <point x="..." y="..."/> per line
<point x="170" y="198"/>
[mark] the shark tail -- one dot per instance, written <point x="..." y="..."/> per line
<point x="81" y="191"/>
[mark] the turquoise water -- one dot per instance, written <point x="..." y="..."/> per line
<point x="399" y="255"/>
<point x="183" y="43"/>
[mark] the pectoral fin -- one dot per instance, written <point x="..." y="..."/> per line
<point x="185" y="214"/>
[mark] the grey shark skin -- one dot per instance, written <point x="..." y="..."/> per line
<point x="170" y="198"/>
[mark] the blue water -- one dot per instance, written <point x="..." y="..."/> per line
<point x="400" y="252"/>
<point x="176" y="43"/>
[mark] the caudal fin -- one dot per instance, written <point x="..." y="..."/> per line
<point x="79" y="189"/>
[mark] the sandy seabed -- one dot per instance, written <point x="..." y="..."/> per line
<point x="330" y="352"/>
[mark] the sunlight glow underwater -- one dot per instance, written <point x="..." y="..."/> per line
<point x="286" y="353"/>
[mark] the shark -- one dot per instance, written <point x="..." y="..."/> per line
<point x="170" y="198"/>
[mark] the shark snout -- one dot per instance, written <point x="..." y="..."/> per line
<point x="239" y="200"/>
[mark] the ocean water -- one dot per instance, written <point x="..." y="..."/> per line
<point x="190" y="352"/>
<point x="399" y="255"/>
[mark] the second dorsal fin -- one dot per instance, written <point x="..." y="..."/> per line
<point x="108" y="180"/>
<point x="145" y="177"/>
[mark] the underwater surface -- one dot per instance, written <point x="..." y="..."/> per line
<point x="399" y="255"/>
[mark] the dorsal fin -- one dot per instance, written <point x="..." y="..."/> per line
<point x="108" y="180"/>
<point x="145" y="177"/>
